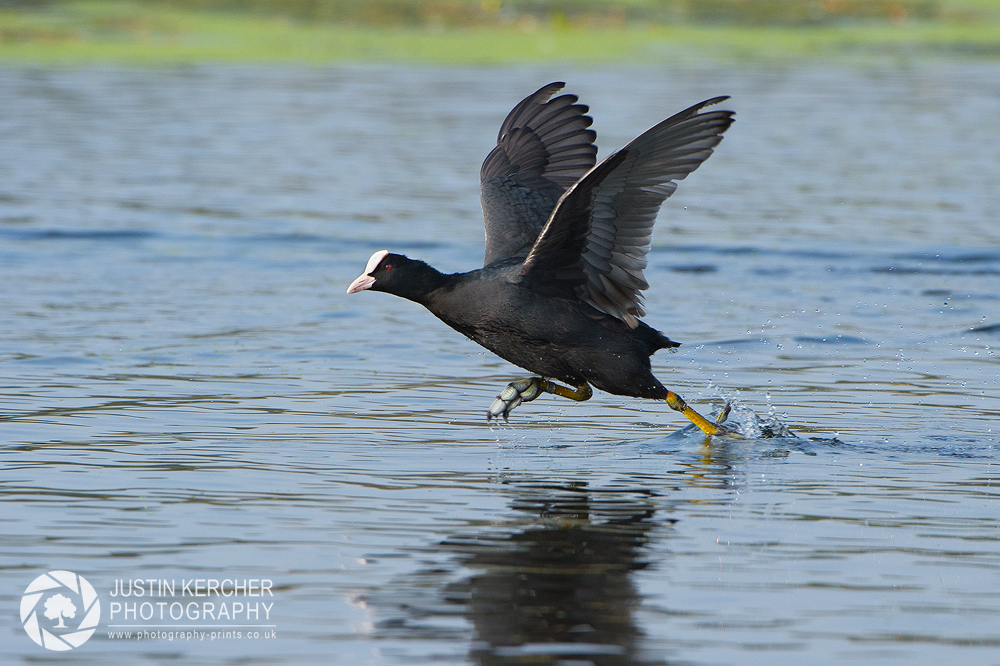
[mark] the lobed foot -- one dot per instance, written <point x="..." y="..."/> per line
<point x="724" y="430"/>
<point x="522" y="390"/>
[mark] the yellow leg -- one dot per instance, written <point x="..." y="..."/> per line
<point x="580" y="393"/>
<point x="677" y="403"/>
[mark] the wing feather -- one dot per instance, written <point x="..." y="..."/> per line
<point x="595" y="242"/>
<point x="544" y="146"/>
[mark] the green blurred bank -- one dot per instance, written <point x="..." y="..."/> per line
<point x="492" y="31"/>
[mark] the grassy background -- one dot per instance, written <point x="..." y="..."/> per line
<point x="491" y="31"/>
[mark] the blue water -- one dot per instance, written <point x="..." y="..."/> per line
<point x="187" y="393"/>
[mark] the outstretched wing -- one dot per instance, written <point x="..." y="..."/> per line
<point x="594" y="244"/>
<point x="543" y="148"/>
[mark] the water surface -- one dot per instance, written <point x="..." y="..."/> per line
<point x="186" y="392"/>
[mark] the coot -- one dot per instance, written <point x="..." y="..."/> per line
<point x="566" y="245"/>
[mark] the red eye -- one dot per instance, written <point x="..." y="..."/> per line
<point x="388" y="267"/>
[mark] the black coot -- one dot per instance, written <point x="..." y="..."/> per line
<point x="566" y="244"/>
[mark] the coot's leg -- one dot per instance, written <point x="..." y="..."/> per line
<point x="526" y="390"/>
<point x="677" y="403"/>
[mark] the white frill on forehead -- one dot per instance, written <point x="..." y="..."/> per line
<point x="375" y="260"/>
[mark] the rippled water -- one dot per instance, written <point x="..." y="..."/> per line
<point x="187" y="393"/>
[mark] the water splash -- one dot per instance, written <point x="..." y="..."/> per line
<point x="751" y="426"/>
<point x="745" y="420"/>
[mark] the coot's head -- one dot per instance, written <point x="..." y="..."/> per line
<point x="379" y="269"/>
<point x="396" y="274"/>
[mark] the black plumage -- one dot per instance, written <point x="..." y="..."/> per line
<point x="566" y="243"/>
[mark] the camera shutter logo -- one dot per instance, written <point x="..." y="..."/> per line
<point x="60" y="595"/>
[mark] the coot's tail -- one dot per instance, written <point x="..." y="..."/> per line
<point x="663" y="342"/>
<point x="654" y="339"/>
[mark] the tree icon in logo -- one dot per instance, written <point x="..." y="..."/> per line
<point x="65" y="594"/>
<point x="58" y="606"/>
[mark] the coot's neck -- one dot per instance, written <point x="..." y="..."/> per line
<point x="420" y="281"/>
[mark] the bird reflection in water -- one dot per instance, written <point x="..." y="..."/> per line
<point x="557" y="588"/>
